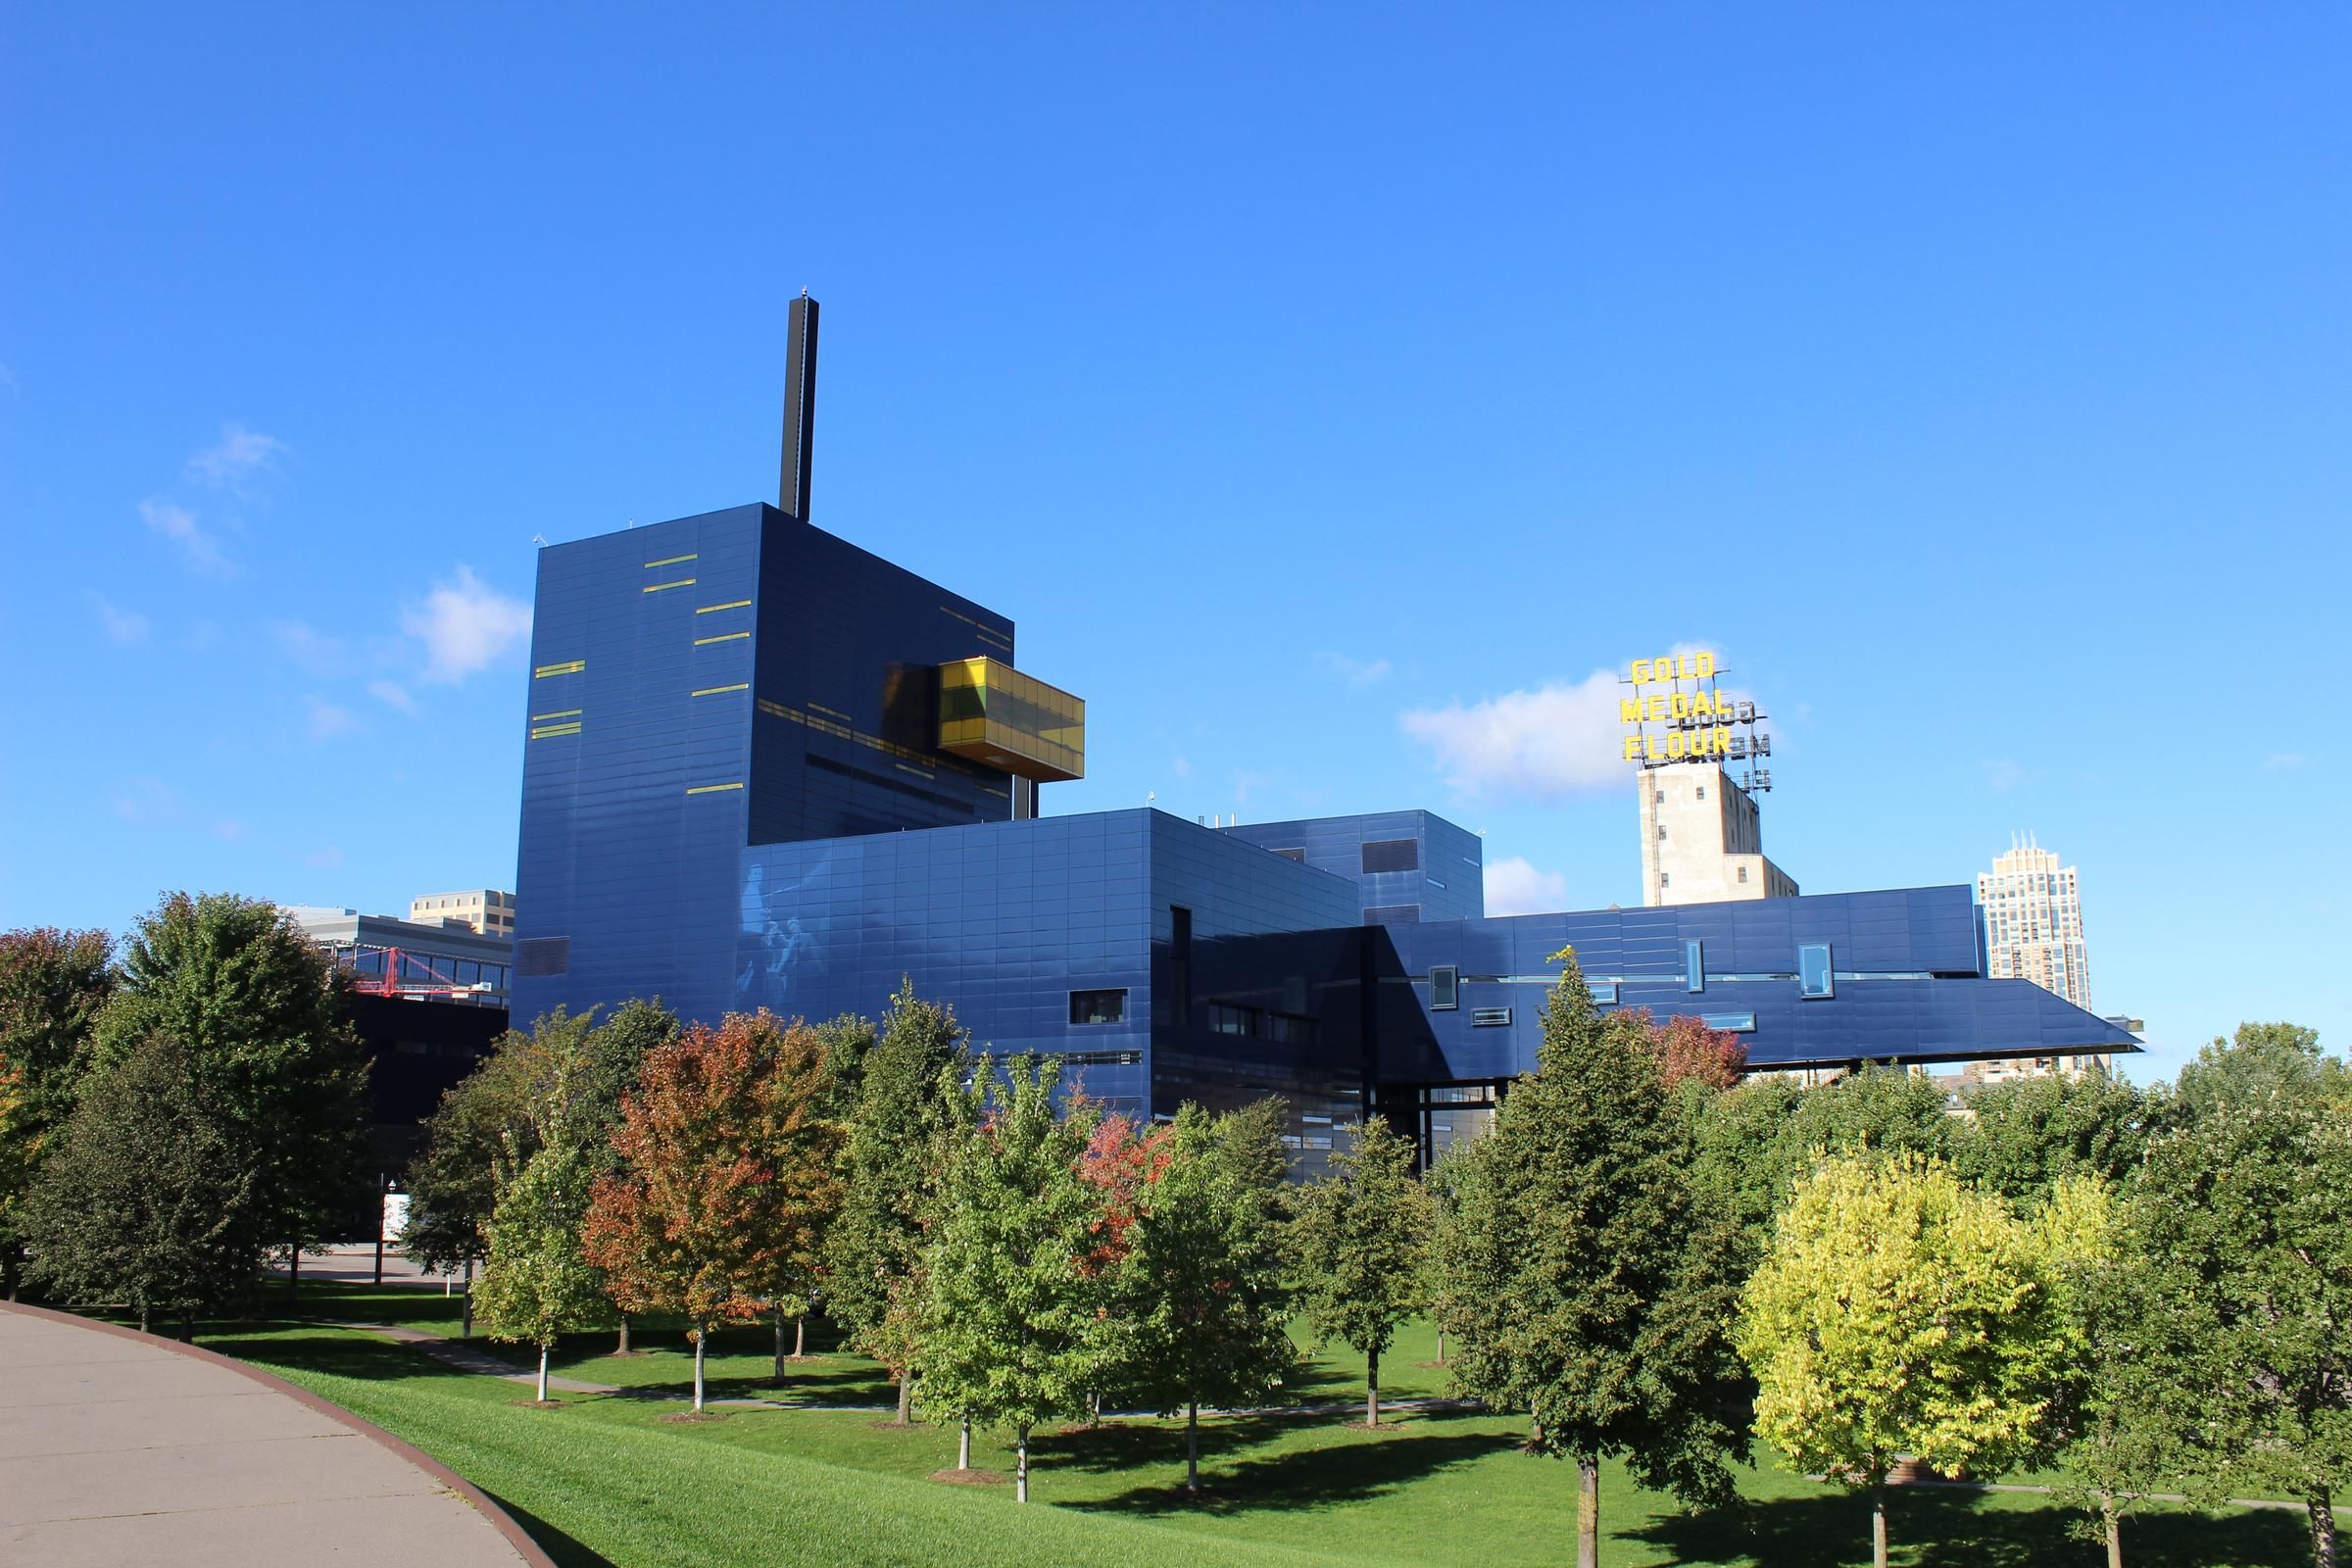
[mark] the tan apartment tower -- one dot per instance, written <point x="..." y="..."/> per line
<point x="486" y="910"/>
<point x="2032" y="909"/>
<point x="1701" y="838"/>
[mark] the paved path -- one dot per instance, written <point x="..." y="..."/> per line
<point x="119" y="1449"/>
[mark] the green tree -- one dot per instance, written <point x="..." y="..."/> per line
<point x="1250" y="1146"/>
<point x="538" y="1283"/>
<point x="907" y="1102"/>
<point x="2024" y="1137"/>
<point x="1007" y="1322"/>
<point x="260" y="1013"/>
<point x="146" y="1196"/>
<point x="1359" y="1241"/>
<point x="2238" y="1316"/>
<point x="1899" y="1313"/>
<point x="53" y="985"/>
<point x="1202" y="1295"/>
<point x="1587" y="1285"/>
<point x="1880" y="1106"/>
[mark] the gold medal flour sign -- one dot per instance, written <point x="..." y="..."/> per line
<point x="1677" y="714"/>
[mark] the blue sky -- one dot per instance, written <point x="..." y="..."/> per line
<point x="1329" y="394"/>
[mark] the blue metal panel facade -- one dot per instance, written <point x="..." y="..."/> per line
<point x="729" y="679"/>
<point x="1907" y="983"/>
<point x="1446" y="882"/>
<point x="615" y="858"/>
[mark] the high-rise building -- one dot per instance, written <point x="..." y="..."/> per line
<point x="2032" y="913"/>
<point x="1702" y="839"/>
<point x="486" y="910"/>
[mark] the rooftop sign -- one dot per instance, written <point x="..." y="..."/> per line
<point x="1678" y="713"/>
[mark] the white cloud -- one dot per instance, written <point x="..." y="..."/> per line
<point x="120" y="625"/>
<point x="326" y="721"/>
<point x="1516" y="887"/>
<point x="1556" y="740"/>
<point x="312" y="648"/>
<point x="199" y="548"/>
<point x="465" y="624"/>
<point x="240" y="459"/>
<point x="392" y="693"/>
<point x="1354" y="672"/>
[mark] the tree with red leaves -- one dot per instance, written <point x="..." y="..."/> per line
<point x="730" y="1165"/>
<point x="1689" y="1051"/>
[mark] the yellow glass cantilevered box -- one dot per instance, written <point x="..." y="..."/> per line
<point x="993" y="714"/>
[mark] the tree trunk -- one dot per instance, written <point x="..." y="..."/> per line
<point x="543" y="1374"/>
<point x="11" y="1265"/>
<point x="779" y="1373"/>
<point x="465" y="1303"/>
<point x="1192" y="1446"/>
<point x="2321" y="1507"/>
<point x="1587" y="1510"/>
<point x="622" y="1349"/>
<point x="800" y="1336"/>
<point x="701" y="1339"/>
<point x="905" y="1400"/>
<point x="1020" y="1465"/>
<point x="143" y="1317"/>
<point x="1441" y="1347"/>
<point x="1372" y="1389"/>
<point x="2115" y="1530"/>
<point x="187" y="1328"/>
<point x="1877" y="1523"/>
<point x="963" y="1444"/>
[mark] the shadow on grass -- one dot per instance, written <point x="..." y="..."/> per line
<point x="1938" y="1529"/>
<point x="566" y="1551"/>
<point x="1275" y="1482"/>
<point x="342" y="1355"/>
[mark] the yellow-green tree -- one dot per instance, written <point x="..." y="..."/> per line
<point x="1899" y="1313"/>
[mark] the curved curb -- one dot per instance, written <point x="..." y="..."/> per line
<point x="531" y="1552"/>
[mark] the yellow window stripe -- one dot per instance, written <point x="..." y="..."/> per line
<point x="568" y="712"/>
<point x="712" y="789"/>
<point x="727" y="637"/>
<point x="572" y="668"/>
<point x="714" y="691"/>
<point x="671" y="560"/>
<point x="733" y="604"/>
<point x="540" y="734"/>
<point x="656" y="587"/>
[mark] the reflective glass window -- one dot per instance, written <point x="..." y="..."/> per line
<point x="1097" y="1006"/>
<point x="1444" y="988"/>
<point x="1695" y="966"/>
<point x="1814" y="976"/>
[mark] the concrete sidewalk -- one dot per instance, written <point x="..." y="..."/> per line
<point x="119" y="1450"/>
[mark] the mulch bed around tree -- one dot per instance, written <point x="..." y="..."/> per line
<point x="971" y="1478"/>
<point x="538" y="1405"/>
<point x="688" y="1417"/>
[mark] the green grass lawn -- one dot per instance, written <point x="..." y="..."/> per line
<point x="613" y="1478"/>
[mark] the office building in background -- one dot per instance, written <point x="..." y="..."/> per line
<point x="486" y="910"/>
<point x="1702" y="838"/>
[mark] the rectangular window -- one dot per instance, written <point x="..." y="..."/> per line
<point x="1695" y="966"/>
<point x="1490" y="1017"/>
<point x="1099" y="1007"/>
<point x="1604" y="994"/>
<point x="1702" y="792"/>
<point x="1743" y="873"/>
<point x="1814" y="976"/>
<point x="1393" y="915"/>
<point x="1391" y="854"/>
<point x="1730" y="1023"/>
<point x="1290" y="1029"/>
<point x="1444" y="988"/>
<point x="1226" y="1018"/>
<point x="1293" y="855"/>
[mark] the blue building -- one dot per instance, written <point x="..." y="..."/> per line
<point x="766" y="768"/>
